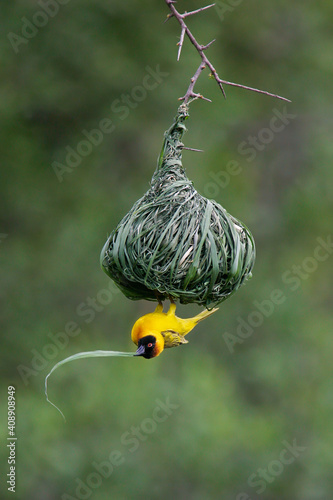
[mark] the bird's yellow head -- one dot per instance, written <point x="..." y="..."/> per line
<point x="150" y="345"/>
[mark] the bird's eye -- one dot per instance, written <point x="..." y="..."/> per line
<point x="150" y="345"/>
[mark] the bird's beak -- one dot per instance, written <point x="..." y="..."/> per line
<point x="140" y="351"/>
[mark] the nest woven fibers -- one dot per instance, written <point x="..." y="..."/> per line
<point x="176" y="244"/>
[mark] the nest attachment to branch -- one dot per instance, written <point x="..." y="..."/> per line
<point x="176" y="244"/>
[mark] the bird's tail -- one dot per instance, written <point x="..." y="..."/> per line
<point x="189" y="324"/>
<point x="204" y="314"/>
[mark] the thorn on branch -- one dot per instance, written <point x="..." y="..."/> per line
<point x="205" y="47"/>
<point x="180" y="43"/>
<point x="192" y="96"/>
<point x="186" y="14"/>
<point x="169" y="16"/>
<point x="204" y="98"/>
<point x="222" y="89"/>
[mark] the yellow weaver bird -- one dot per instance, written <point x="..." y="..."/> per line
<point x="156" y="331"/>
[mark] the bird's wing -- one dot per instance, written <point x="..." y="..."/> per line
<point x="172" y="338"/>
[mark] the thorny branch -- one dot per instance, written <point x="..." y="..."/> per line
<point x="190" y="94"/>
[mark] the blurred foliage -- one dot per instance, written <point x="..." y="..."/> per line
<point x="236" y="409"/>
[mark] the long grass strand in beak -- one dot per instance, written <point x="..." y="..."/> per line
<point x="80" y="355"/>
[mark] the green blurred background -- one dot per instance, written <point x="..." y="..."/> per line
<point x="234" y="409"/>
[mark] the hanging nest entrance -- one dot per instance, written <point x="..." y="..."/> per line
<point x="174" y="243"/>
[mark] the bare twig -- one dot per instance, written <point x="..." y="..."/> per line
<point x="190" y="94"/>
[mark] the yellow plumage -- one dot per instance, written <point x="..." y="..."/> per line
<point x="156" y="331"/>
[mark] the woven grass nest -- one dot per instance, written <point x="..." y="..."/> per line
<point x="176" y="244"/>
